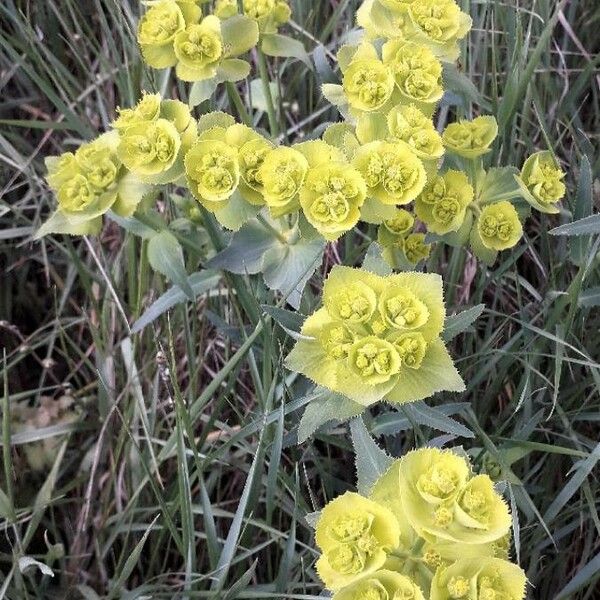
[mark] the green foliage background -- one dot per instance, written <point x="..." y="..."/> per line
<point x="182" y="479"/>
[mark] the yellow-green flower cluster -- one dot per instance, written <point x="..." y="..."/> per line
<point x="437" y="24"/>
<point x="154" y="137"/>
<point x="114" y="172"/>
<point x="89" y="182"/>
<point x="541" y="182"/>
<point x="471" y="139"/>
<point x="430" y="528"/>
<point x="173" y="33"/>
<point x="269" y="14"/>
<point x="400" y="242"/>
<point x="377" y="338"/>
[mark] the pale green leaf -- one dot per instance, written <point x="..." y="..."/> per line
<point x="456" y="324"/>
<point x="371" y="461"/>
<point x="324" y="409"/>
<point x="200" y="283"/>
<point x="166" y="256"/>
<point x="275" y="44"/>
<point x="240" y="34"/>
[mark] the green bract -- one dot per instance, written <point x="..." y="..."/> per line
<point x="443" y="502"/>
<point x="483" y="578"/>
<point x="354" y="535"/>
<point x="471" y="138"/>
<point x="498" y="226"/>
<point x="331" y="198"/>
<point x="541" y="181"/>
<point x="377" y="338"/>
<point x="382" y="585"/>
<point x="443" y="204"/>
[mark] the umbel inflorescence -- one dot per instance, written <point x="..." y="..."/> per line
<point x="429" y="528"/>
<point x="386" y="154"/>
<point x="378" y="338"/>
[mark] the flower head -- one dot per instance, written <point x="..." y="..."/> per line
<point x="377" y="338"/>
<point x="331" y="198"/>
<point x="147" y="109"/>
<point x="442" y="205"/>
<point x="415" y="248"/>
<point x="484" y="578"/>
<point x="471" y="138"/>
<point x="269" y="14"/>
<point x="439" y="24"/>
<point x="368" y="84"/>
<point x="409" y="124"/>
<point x="416" y="70"/>
<point x="393" y="173"/>
<point x="499" y="226"/>
<point x="354" y="535"/>
<point x="443" y="502"/>
<point x="283" y="173"/>
<point x="213" y="172"/>
<point x="374" y="360"/>
<point x="156" y="33"/>
<point x="541" y="181"/>
<point x="199" y="50"/>
<point x="381" y="585"/>
<point x="150" y="150"/>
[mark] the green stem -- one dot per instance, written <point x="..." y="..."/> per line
<point x="264" y="77"/>
<point x="236" y="100"/>
<point x="271" y="229"/>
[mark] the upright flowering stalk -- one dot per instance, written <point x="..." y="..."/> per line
<point x="377" y="338"/>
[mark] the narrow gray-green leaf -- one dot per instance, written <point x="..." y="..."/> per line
<point x="200" y="283"/>
<point x="456" y="324"/>
<point x="324" y="409"/>
<point x="586" y="226"/>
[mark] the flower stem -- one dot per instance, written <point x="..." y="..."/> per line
<point x="236" y="100"/>
<point x="264" y="77"/>
<point x="271" y="229"/>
